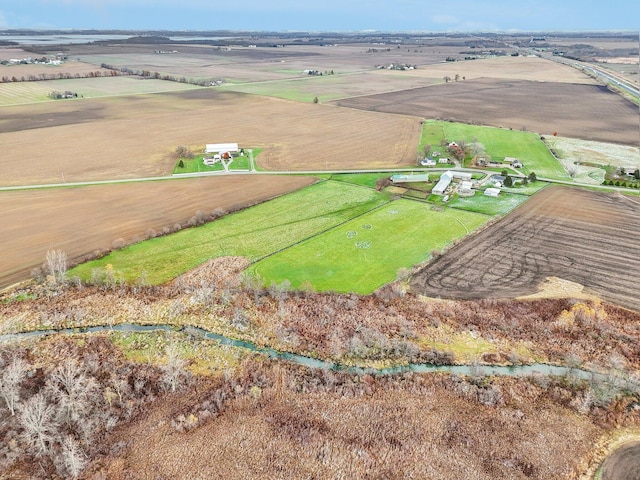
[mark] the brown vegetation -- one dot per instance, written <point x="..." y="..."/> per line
<point x="285" y="422"/>
<point x="99" y="415"/>
<point x="383" y="329"/>
<point x="578" y="235"/>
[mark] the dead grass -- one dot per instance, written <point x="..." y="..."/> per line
<point x="575" y="150"/>
<point x="326" y="425"/>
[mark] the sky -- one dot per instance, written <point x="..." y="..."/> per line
<point x="324" y="15"/>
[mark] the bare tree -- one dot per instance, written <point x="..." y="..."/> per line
<point x="12" y="377"/>
<point x="56" y="265"/>
<point x="37" y="417"/>
<point x="73" y="457"/>
<point x="73" y="390"/>
<point x="175" y="374"/>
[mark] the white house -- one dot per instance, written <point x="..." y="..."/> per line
<point x="492" y="192"/>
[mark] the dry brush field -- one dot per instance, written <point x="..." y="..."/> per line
<point x="135" y="136"/>
<point x="83" y="220"/>
<point x="292" y="424"/>
<point x="262" y="418"/>
<point x="590" y="112"/>
<point x="586" y="237"/>
<point x="270" y="419"/>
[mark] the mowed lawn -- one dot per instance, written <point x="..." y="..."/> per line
<point x="252" y="233"/>
<point x="366" y="253"/>
<point x="481" y="203"/>
<point x="16" y="93"/>
<point x="499" y="143"/>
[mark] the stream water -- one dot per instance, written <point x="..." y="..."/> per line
<point x="310" y="362"/>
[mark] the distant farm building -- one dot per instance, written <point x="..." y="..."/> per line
<point x="514" y="162"/>
<point x="428" y="162"/>
<point x="446" y="178"/>
<point x="492" y="192"/>
<point x="423" y="177"/>
<point x="221" y="148"/>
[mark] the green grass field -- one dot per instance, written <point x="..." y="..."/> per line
<point x="33" y="92"/>
<point x="499" y="143"/>
<point x="367" y="252"/>
<point x="481" y="203"/>
<point x="252" y="233"/>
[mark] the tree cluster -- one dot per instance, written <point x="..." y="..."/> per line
<point x="59" y="76"/>
<point x="159" y="76"/>
<point x="56" y="412"/>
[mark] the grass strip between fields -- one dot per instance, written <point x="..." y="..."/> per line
<point x="253" y="233"/>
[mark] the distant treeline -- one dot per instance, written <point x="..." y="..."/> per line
<point x="159" y="76"/>
<point x="59" y="76"/>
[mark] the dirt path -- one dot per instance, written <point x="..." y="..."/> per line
<point x="623" y="463"/>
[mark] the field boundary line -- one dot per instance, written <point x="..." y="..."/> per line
<point x="322" y="232"/>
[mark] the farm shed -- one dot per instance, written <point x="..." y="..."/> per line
<point x="423" y="177"/>
<point x="492" y="192"/>
<point x="443" y="183"/>
<point x="446" y="178"/>
<point x="221" y="148"/>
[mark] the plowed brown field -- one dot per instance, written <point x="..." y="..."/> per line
<point x="82" y="220"/>
<point x="136" y="136"/>
<point x="589" y="112"/>
<point x="582" y="236"/>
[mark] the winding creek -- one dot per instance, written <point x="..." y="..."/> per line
<point x="310" y="362"/>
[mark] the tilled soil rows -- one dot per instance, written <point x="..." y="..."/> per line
<point x="590" y="112"/>
<point x="582" y="236"/>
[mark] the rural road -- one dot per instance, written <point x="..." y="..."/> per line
<point x="286" y="172"/>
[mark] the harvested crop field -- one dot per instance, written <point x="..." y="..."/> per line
<point x="136" y="136"/>
<point x="31" y="92"/>
<point x="83" y="220"/>
<point x="248" y="64"/>
<point x="582" y="236"/>
<point x="512" y="68"/>
<point x="331" y="87"/>
<point x="590" y="112"/>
